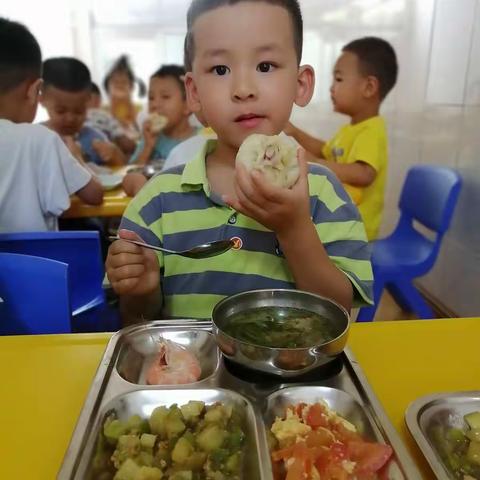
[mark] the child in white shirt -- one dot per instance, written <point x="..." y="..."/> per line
<point x="37" y="172"/>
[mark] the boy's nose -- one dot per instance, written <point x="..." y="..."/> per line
<point x="244" y="88"/>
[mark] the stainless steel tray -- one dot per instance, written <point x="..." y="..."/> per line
<point x="446" y="409"/>
<point x="121" y="372"/>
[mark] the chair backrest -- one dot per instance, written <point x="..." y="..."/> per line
<point x="34" y="295"/>
<point x="429" y="195"/>
<point x="80" y="250"/>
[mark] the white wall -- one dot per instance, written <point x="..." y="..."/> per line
<point x="433" y="113"/>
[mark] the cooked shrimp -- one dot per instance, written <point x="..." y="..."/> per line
<point x="174" y="365"/>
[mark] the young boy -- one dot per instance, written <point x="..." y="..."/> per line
<point x="166" y="96"/>
<point x="37" y="172"/>
<point x="101" y="119"/>
<point x="364" y="74"/>
<point x="65" y="95"/>
<point x="309" y="237"/>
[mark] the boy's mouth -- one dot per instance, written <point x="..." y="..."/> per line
<point x="249" y="120"/>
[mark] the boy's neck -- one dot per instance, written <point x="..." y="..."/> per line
<point x="369" y="111"/>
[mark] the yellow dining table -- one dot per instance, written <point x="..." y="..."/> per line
<point x="115" y="201"/>
<point x="45" y="379"/>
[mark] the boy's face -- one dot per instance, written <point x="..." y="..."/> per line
<point x="67" y="110"/>
<point x="245" y="75"/>
<point x="165" y="97"/>
<point x="348" y="84"/>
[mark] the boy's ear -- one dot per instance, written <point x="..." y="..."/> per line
<point x="305" y="85"/>
<point x="371" y="87"/>
<point x="33" y="91"/>
<point x="193" y="101"/>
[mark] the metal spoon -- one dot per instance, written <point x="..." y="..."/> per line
<point x="210" y="249"/>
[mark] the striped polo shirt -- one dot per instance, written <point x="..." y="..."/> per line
<point x="177" y="210"/>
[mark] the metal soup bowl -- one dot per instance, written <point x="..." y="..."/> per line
<point x="287" y="362"/>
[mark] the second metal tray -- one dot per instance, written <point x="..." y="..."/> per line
<point x="445" y="409"/>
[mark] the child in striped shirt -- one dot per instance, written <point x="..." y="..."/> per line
<point x="308" y="237"/>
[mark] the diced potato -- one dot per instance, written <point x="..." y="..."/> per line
<point x="147" y="441"/>
<point x="149" y="473"/>
<point x="113" y="430"/>
<point x="216" y="414"/>
<point x="174" y="427"/>
<point x="233" y="463"/>
<point x="192" y="410"/>
<point x="473" y="420"/>
<point x="211" y="438"/>
<point x="182" y="451"/>
<point x="157" y="421"/>
<point x="473" y="453"/>
<point x="128" y="470"/>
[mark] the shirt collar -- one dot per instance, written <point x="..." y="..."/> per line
<point x="194" y="176"/>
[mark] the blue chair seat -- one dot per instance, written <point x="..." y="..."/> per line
<point x="34" y="295"/>
<point x="428" y="197"/>
<point x="412" y="257"/>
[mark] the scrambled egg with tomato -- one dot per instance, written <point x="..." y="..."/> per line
<point x="290" y="429"/>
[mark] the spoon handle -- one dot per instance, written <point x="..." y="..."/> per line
<point x="144" y="245"/>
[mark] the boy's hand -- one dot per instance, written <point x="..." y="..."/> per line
<point x="149" y="137"/>
<point x="280" y="209"/>
<point x="132" y="270"/>
<point x="105" y="150"/>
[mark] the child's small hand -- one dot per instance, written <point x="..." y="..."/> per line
<point x="149" y="136"/>
<point x="279" y="209"/>
<point x="105" y="150"/>
<point x="132" y="270"/>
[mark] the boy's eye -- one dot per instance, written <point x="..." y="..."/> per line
<point x="220" y="70"/>
<point x="265" y="67"/>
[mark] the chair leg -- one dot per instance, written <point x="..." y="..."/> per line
<point x="366" y="314"/>
<point x="406" y="294"/>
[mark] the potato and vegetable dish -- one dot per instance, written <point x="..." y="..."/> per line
<point x="191" y="442"/>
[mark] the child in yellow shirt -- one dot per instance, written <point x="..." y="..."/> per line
<point x="363" y="75"/>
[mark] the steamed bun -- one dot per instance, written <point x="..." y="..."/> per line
<point x="157" y="122"/>
<point x="274" y="157"/>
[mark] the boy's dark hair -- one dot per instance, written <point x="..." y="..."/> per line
<point x="199" y="7"/>
<point x="94" y="89"/>
<point x="66" y="73"/>
<point x="20" y="55"/>
<point x="377" y="58"/>
<point x="122" y="65"/>
<point x="176" y="72"/>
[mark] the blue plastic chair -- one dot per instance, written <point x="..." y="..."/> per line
<point x="80" y="250"/>
<point x="428" y="197"/>
<point x="34" y="295"/>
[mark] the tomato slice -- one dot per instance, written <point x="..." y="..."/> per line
<point x="370" y="457"/>
<point x="316" y="416"/>
<point x="296" y="471"/>
<point x="283" y="454"/>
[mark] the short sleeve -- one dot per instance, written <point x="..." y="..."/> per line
<point x="60" y="175"/>
<point x="341" y="231"/>
<point x="137" y="218"/>
<point x="367" y="148"/>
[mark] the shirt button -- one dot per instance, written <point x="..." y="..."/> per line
<point x="233" y="219"/>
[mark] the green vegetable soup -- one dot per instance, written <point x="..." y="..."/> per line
<point x="283" y="327"/>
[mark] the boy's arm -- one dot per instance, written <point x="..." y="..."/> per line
<point x="308" y="142"/>
<point x="316" y="267"/>
<point x="358" y="173"/>
<point x="92" y="192"/>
